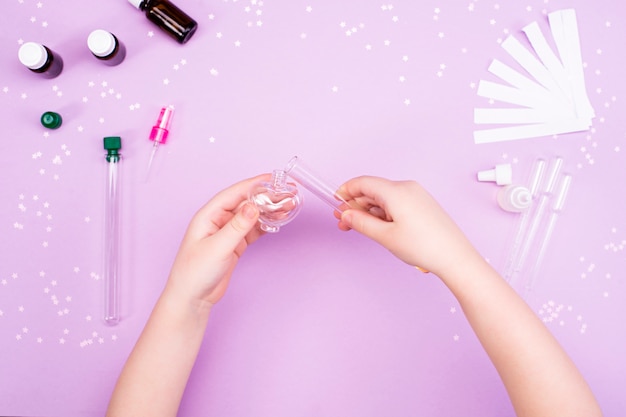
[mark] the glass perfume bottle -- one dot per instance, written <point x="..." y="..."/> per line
<point x="277" y="200"/>
<point x="168" y="17"/>
<point x="106" y="47"/>
<point x="40" y="59"/>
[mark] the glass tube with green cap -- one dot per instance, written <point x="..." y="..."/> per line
<point x="112" y="144"/>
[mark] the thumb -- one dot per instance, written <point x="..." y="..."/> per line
<point x="366" y="224"/>
<point x="238" y="227"/>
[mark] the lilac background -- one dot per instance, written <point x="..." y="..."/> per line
<point x="316" y="322"/>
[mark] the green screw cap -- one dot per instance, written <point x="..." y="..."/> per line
<point x="51" y="120"/>
<point x="113" y="144"/>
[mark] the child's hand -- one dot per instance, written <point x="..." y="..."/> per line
<point x="405" y="219"/>
<point x="216" y="238"/>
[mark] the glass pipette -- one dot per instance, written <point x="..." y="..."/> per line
<point x="566" y="181"/>
<point x="536" y="176"/>
<point x="300" y="172"/>
<point x="537" y="217"/>
<point x="112" y="144"/>
<point x="159" y="132"/>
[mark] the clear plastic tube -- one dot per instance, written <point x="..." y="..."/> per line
<point x="538" y="214"/>
<point x="535" y="180"/>
<point x="310" y="180"/>
<point x="556" y="210"/>
<point x="112" y="233"/>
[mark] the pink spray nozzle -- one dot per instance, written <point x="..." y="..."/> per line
<point x="161" y="129"/>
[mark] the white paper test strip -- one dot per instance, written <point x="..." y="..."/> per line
<point x="514" y="78"/>
<point x="552" y="101"/>
<point x="565" y="32"/>
<point x="548" y="58"/>
<point x="513" y="116"/>
<point x="506" y="94"/>
<point x="531" y="64"/>
<point x="530" y="131"/>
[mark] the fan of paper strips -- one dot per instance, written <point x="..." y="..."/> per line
<point x="552" y="98"/>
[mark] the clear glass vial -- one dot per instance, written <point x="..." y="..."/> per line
<point x="112" y="216"/>
<point x="106" y="47"/>
<point x="40" y="59"/>
<point x="168" y="17"/>
<point x="313" y="182"/>
<point x="278" y="201"/>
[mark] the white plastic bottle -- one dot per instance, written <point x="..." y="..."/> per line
<point x="514" y="198"/>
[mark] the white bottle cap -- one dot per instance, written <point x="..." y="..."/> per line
<point x="514" y="198"/>
<point x="501" y="175"/>
<point x="136" y="3"/>
<point x="101" y="43"/>
<point x="33" y="55"/>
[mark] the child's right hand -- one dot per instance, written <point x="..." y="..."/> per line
<point x="404" y="218"/>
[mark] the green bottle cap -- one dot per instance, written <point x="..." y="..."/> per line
<point x="113" y="144"/>
<point x="51" y="120"/>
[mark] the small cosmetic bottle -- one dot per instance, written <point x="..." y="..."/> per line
<point x="40" y="59"/>
<point x="278" y="201"/>
<point x="168" y="17"/>
<point x="106" y="47"/>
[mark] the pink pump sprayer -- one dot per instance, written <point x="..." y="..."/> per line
<point x="159" y="132"/>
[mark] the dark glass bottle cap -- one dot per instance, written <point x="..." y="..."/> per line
<point x="51" y="120"/>
<point x="112" y="143"/>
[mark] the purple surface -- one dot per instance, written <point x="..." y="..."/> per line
<point x="316" y="322"/>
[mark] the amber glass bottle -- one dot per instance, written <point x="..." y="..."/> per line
<point x="168" y="17"/>
<point x="40" y="59"/>
<point x="106" y="47"/>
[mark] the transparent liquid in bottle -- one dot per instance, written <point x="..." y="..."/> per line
<point x="278" y="202"/>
